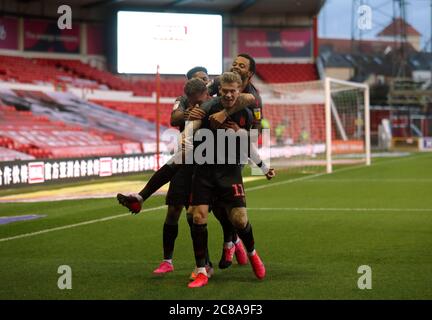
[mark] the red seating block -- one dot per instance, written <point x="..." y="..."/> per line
<point x="280" y="73"/>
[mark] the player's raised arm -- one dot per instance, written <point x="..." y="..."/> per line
<point x="243" y="101"/>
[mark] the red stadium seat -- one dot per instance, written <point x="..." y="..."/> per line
<point x="284" y="73"/>
<point x="42" y="138"/>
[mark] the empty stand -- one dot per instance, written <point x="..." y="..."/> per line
<point x="145" y="111"/>
<point x="287" y="73"/>
<point x="42" y="138"/>
<point x="62" y="72"/>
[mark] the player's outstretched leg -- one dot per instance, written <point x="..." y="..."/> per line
<point x="134" y="201"/>
<point x="158" y="179"/>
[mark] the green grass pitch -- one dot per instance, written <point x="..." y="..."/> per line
<point x="312" y="232"/>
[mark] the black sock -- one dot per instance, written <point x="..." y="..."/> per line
<point x="158" y="179"/>
<point x="170" y="232"/>
<point x="234" y="236"/>
<point x="227" y="227"/>
<point x="199" y="239"/>
<point x="247" y="237"/>
<point x="189" y="218"/>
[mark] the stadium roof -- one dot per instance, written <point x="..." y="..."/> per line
<point x="310" y="7"/>
<point x="99" y="10"/>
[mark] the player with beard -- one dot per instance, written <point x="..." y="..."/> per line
<point x="245" y="66"/>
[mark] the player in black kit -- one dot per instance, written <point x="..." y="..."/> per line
<point x="221" y="181"/>
<point x="195" y="93"/>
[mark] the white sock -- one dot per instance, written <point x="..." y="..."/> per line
<point x="168" y="260"/>
<point x="228" y="245"/>
<point x="237" y="241"/>
<point x="250" y="254"/>
<point x="201" y="270"/>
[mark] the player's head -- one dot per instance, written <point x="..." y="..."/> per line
<point x="198" y="72"/>
<point x="229" y="89"/>
<point x="196" y="91"/>
<point x="244" y="65"/>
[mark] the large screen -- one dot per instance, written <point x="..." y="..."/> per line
<point x="176" y="42"/>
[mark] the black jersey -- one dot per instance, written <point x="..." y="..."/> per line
<point x="256" y="108"/>
<point x="243" y="118"/>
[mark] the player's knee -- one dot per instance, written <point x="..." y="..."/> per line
<point x="173" y="214"/>
<point x="240" y="223"/>
<point x="200" y="215"/>
<point x="239" y="218"/>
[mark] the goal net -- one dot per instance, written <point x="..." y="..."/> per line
<point x="314" y="125"/>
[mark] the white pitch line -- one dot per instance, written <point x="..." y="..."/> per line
<point x="25" y="235"/>
<point x="263" y="186"/>
<point x="346" y="209"/>
<point x="273" y="184"/>
<point x="408" y="180"/>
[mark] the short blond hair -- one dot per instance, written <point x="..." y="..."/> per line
<point x="230" y="77"/>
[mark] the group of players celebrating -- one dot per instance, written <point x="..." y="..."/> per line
<point x="216" y="185"/>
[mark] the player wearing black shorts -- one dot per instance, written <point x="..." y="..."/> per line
<point x="223" y="183"/>
<point x="178" y="196"/>
<point x="180" y="176"/>
<point x="134" y="201"/>
<point x="244" y="66"/>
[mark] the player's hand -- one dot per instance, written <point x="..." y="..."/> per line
<point x="270" y="174"/>
<point x="218" y="118"/>
<point x="196" y="113"/>
<point x="186" y="114"/>
<point x="231" y="125"/>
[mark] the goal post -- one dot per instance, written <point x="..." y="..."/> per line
<point x="337" y="98"/>
<point x="316" y="124"/>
